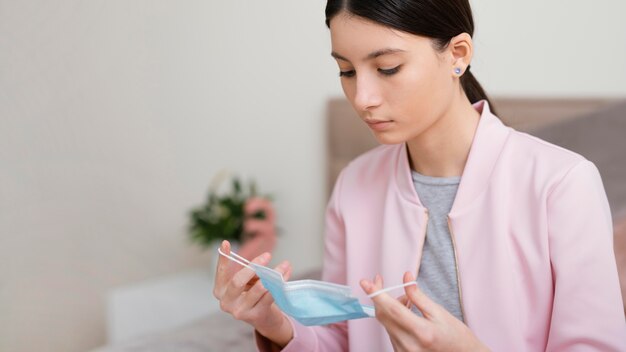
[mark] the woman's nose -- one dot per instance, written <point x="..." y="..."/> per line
<point x="367" y="94"/>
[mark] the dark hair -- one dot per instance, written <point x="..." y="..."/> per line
<point x="440" y="20"/>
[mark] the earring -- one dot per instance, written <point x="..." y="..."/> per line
<point x="457" y="71"/>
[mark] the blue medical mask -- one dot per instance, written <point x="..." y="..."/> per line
<point x="311" y="302"/>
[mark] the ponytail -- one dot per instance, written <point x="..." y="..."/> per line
<point x="474" y="90"/>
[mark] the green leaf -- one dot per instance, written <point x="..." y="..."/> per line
<point x="222" y="216"/>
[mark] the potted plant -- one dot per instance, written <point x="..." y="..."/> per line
<point x="223" y="216"/>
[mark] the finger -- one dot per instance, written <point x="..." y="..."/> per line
<point x="372" y="286"/>
<point x="264" y="303"/>
<point x="394" y="315"/>
<point x="266" y="300"/>
<point x="378" y="282"/>
<point x="245" y="307"/>
<point x="427" y="306"/>
<point x="237" y="284"/>
<point x="251" y="283"/>
<point x="287" y="274"/>
<point x="388" y="310"/>
<point x="285" y="269"/>
<point x="252" y="296"/>
<point x="404" y="300"/>
<point x="255" y="294"/>
<point x="221" y="273"/>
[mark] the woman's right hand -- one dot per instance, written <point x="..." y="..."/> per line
<point x="242" y="295"/>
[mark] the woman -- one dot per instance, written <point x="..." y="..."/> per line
<point x="509" y="236"/>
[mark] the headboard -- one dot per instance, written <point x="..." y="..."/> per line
<point x="348" y="136"/>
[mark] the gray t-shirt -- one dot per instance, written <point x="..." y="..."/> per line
<point x="437" y="274"/>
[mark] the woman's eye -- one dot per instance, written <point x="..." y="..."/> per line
<point x="386" y="72"/>
<point x="346" y="73"/>
<point x="390" y="71"/>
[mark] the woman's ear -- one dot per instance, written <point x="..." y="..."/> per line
<point x="461" y="50"/>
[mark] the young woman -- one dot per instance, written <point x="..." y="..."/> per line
<point x="508" y="237"/>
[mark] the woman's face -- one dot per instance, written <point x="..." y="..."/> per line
<point x="399" y="94"/>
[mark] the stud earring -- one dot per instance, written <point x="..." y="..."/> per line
<point x="457" y="71"/>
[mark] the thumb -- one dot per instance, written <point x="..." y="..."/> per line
<point x="426" y="305"/>
<point x="285" y="269"/>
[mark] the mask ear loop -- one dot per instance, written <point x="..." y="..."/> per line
<point x="374" y="294"/>
<point x="244" y="262"/>
<point x="236" y="258"/>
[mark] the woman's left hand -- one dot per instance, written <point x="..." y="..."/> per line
<point x="438" y="330"/>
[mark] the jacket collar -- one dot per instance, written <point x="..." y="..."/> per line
<point x="490" y="136"/>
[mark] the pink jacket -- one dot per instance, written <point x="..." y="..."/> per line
<point x="532" y="234"/>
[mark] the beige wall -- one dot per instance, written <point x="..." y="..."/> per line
<point x="114" y="115"/>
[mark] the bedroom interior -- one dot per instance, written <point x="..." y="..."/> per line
<point x="115" y="116"/>
<point x="594" y="128"/>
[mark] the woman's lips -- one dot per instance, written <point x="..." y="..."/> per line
<point x="379" y="125"/>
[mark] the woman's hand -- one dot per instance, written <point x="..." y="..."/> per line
<point x="242" y="295"/>
<point x="438" y="330"/>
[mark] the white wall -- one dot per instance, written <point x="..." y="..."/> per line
<point x="551" y="48"/>
<point x="114" y="115"/>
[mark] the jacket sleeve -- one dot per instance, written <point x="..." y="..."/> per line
<point x="333" y="337"/>
<point x="587" y="311"/>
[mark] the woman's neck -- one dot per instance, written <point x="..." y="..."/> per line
<point x="442" y="150"/>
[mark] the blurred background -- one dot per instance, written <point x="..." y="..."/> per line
<point x="116" y="115"/>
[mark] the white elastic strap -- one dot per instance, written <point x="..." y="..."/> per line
<point x="372" y="295"/>
<point x="236" y="258"/>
